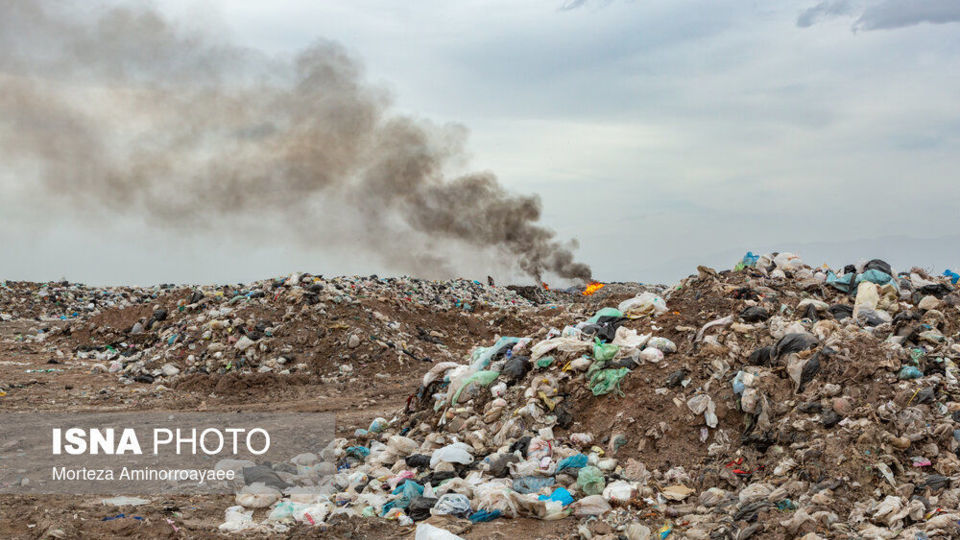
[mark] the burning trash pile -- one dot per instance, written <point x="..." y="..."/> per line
<point x="777" y="400"/>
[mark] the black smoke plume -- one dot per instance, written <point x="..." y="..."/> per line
<point x="121" y="109"/>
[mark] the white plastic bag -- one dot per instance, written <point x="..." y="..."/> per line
<point x="237" y="520"/>
<point x="619" y="491"/>
<point x="787" y="261"/>
<point x="629" y="340"/>
<point x="257" y="495"/>
<point x="662" y="343"/>
<point x="402" y="446"/>
<point x="425" y="531"/>
<point x="645" y="303"/>
<point x="457" y="452"/>
<point x="591" y="505"/>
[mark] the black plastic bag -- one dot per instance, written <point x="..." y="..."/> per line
<point x="419" y="508"/>
<point x="515" y="369"/>
<point x="793" y="343"/>
<point x="841" y="311"/>
<point x="877" y="264"/>
<point x="754" y="314"/>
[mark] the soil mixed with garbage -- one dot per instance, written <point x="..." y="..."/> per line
<point x="774" y="400"/>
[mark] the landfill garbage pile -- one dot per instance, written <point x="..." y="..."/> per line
<point x="295" y="324"/>
<point x="776" y="400"/>
<point x="543" y="294"/>
<point x="62" y="300"/>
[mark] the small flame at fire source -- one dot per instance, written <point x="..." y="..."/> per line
<point x="592" y="288"/>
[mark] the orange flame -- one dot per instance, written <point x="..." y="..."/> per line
<point x="592" y="288"/>
<point x="544" y="285"/>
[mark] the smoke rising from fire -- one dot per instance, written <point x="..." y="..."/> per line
<point x="117" y="108"/>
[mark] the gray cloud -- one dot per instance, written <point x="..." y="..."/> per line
<point x="824" y="10"/>
<point x="569" y="5"/>
<point x="891" y="14"/>
<point x="883" y="14"/>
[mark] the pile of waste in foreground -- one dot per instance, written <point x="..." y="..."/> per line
<point x="775" y="400"/>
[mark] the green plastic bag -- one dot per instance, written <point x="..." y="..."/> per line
<point x="605" y="312"/>
<point x="590" y="479"/>
<point x="604" y="352"/>
<point x="544" y="362"/>
<point x="605" y="381"/>
<point x="483" y="378"/>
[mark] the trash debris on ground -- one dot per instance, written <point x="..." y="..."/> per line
<point x="772" y="400"/>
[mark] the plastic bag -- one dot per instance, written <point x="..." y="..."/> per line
<point x="874" y="276"/>
<point x="545" y="362"/>
<point x="627" y="338"/>
<point x="703" y="404"/>
<point x="532" y="484"/>
<point x="425" y="531"/>
<point x="482" y="515"/>
<point x="575" y="461"/>
<point x="787" y="261"/>
<point x="662" y="343"/>
<point x="482" y="356"/>
<point x="748" y="261"/>
<point x="604" y="352"/>
<point x="236" y="520"/>
<point x="539" y="449"/>
<point x="420" y="507"/>
<point x="590" y="480"/>
<point x="562" y="344"/>
<point x="651" y="354"/>
<point x="257" y="495"/>
<point x="285" y="509"/>
<point x="604" y="381"/>
<point x="453" y="504"/>
<point x="481" y="378"/>
<point x="515" y="368"/>
<point x="560" y="495"/>
<point x="645" y="303"/>
<point x="378" y="424"/>
<point x="605" y="312"/>
<point x="793" y="343"/>
<point x="492" y="496"/>
<point x="843" y="283"/>
<point x="313" y="514"/>
<point x="868" y="296"/>
<point x="592" y="505"/>
<point x="437" y="371"/>
<point x="457" y="452"/>
<point x="619" y="491"/>
<point x="409" y="490"/>
<point x="402" y="446"/>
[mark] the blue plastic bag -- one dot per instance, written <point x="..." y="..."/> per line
<point x="560" y="494"/>
<point x="572" y="462"/>
<point x="359" y="452"/>
<point x="875" y="276"/>
<point x="843" y="283"/>
<point x="483" y="515"/>
<point x="532" y="484"/>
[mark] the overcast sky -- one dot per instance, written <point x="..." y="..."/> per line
<point x="659" y="133"/>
